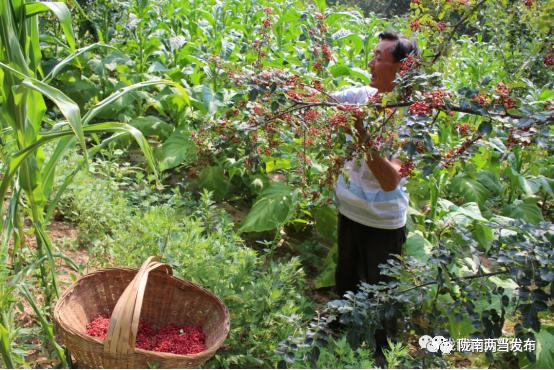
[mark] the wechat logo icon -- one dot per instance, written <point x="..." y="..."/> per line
<point x="436" y="344"/>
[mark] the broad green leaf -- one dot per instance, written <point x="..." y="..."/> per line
<point x="544" y="351"/>
<point x="417" y="246"/>
<point x="271" y="210"/>
<point x="325" y="218"/>
<point x="274" y="164"/>
<point x="527" y="211"/>
<point x="321" y="4"/>
<point x="462" y="215"/>
<point x="483" y="235"/>
<point x="326" y="277"/>
<point x="468" y="189"/>
<point x="491" y="181"/>
<point x="151" y="125"/>
<point x="213" y="178"/>
<point x="177" y="149"/>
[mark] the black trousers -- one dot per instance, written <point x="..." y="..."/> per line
<point x="360" y="251"/>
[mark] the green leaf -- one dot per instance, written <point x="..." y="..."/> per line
<point x="213" y="178"/>
<point x="544" y="350"/>
<point x="483" y="235"/>
<point x="271" y="210"/>
<point x="321" y="4"/>
<point x="527" y="211"/>
<point x="62" y="13"/>
<point x="484" y="128"/>
<point x="490" y="180"/>
<point x="151" y="125"/>
<point x="177" y="149"/>
<point x="60" y="66"/>
<point x="275" y="164"/>
<point x="326" y="277"/>
<point x="468" y="189"/>
<point x="121" y="92"/>
<point x="5" y="347"/>
<point x="325" y="218"/>
<point x="417" y="246"/>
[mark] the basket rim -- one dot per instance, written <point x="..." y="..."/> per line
<point x="212" y="349"/>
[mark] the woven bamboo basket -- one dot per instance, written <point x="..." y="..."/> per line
<point x="150" y="293"/>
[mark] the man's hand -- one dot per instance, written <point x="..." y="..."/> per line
<point x="387" y="172"/>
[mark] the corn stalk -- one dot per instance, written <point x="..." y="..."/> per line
<point x="26" y="181"/>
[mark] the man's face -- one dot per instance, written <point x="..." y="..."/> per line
<point x="383" y="67"/>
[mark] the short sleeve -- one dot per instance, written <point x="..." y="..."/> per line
<point x="354" y="95"/>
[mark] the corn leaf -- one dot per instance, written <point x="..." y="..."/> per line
<point x="60" y="66"/>
<point x="118" y="94"/>
<point x="61" y="11"/>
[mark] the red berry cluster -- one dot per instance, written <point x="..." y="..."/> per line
<point x="549" y="57"/>
<point x="481" y="99"/>
<point x="436" y="98"/>
<point x="338" y="119"/>
<point x="415" y="25"/>
<point x="529" y="3"/>
<point x="180" y="340"/>
<point x="503" y="96"/>
<point x="407" y="168"/>
<point x="441" y="26"/>
<point x="321" y="50"/>
<point x="420" y="108"/>
<point x="517" y="140"/>
<point x="456" y="152"/>
<point x="407" y="64"/>
<point x="463" y="129"/>
<point x="355" y="110"/>
<point x="311" y="115"/>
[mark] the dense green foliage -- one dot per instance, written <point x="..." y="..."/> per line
<point x="194" y="106"/>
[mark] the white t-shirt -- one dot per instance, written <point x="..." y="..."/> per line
<point x="362" y="199"/>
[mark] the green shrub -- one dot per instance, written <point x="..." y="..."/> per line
<point x="265" y="297"/>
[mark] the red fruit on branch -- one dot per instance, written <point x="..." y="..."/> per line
<point x="408" y="63"/>
<point x="481" y="99"/>
<point x="436" y="98"/>
<point x="311" y="114"/>
<point x="406" y="168"/>
<point x="529" y="3"/>
<point x="420" y="108"/>
<point x="415" y="25"/>
<point x="501" y="89"/>
<point x="464" y="128"/>
<point x="268" y="10"/>
<point x="266" y="22"/>
<point x="441" y="26"/>
<point x="327" y="52"/>
<point x="548" y="61"/>
<point x="338" y="119"/>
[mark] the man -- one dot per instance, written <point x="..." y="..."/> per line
<point x="372" y="205"/>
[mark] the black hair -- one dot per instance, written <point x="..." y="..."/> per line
<point x="404" y="46"/>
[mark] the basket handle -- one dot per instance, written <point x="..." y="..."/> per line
<point x="123" y="328"/>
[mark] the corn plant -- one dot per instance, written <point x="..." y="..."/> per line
<point x="26" y="182"/>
